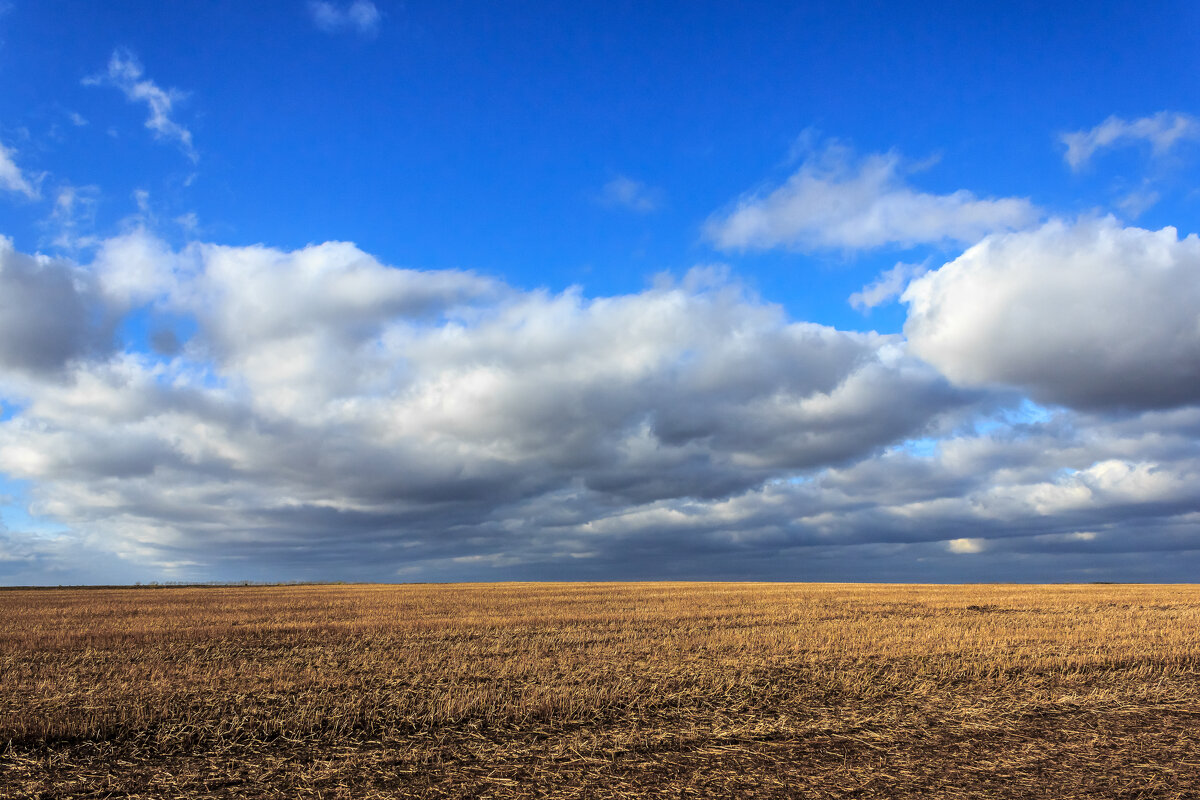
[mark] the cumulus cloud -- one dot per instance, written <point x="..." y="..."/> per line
<point x="12" y="178"/>
<point x="833" y="201"/>
<point x="360" y="16"/>
<point x="1088" y="314"/>
<point x="1161" y="131"/>
<point x="125" y="72"/>
<point x="323" y="406"/>
<point x="625" y="192"/>
<point x="1070" y="483"/>
<point x="317" y="413"/>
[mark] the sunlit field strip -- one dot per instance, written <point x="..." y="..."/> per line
<point x="601" y="690"/>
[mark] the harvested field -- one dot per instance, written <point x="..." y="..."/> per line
<point x="601" y="690"/>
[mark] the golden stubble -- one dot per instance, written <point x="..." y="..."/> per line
<point x="607" y="689"/>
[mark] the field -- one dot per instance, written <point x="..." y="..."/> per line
<point x="601" y="690"/>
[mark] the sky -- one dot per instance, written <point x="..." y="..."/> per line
<point x="376" y="291"/>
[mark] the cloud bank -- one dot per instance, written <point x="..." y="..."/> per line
<point x="325" y="396"/>
<point x="220" y="411"/>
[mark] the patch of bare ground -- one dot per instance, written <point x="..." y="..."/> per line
<point x="601" y="690"/>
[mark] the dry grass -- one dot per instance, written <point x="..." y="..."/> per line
<point x="601" y="690"/>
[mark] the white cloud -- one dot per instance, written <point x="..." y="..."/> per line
<point x="1088" y="314"/>
<point x="1135" y="203"/>
<point x="1112" y="481"/>
<point x="1128" y="477"/>
<point x="318" y="413"/>
<point x="1162" y="131"/>
<point x="888" y="286"/>
<point x="320" y="400"/>
<point x="634" y="195"/>
<point x="125" y="72"/>
<point x="832" y="202"/>
<point x="360" y="16"/>
<point x="11" y="177"/>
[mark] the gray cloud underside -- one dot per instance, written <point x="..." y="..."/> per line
<point x="46" y="315"/>
<point x="324" y="415"/>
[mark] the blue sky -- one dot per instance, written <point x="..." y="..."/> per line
<point x="369" y="290"/>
